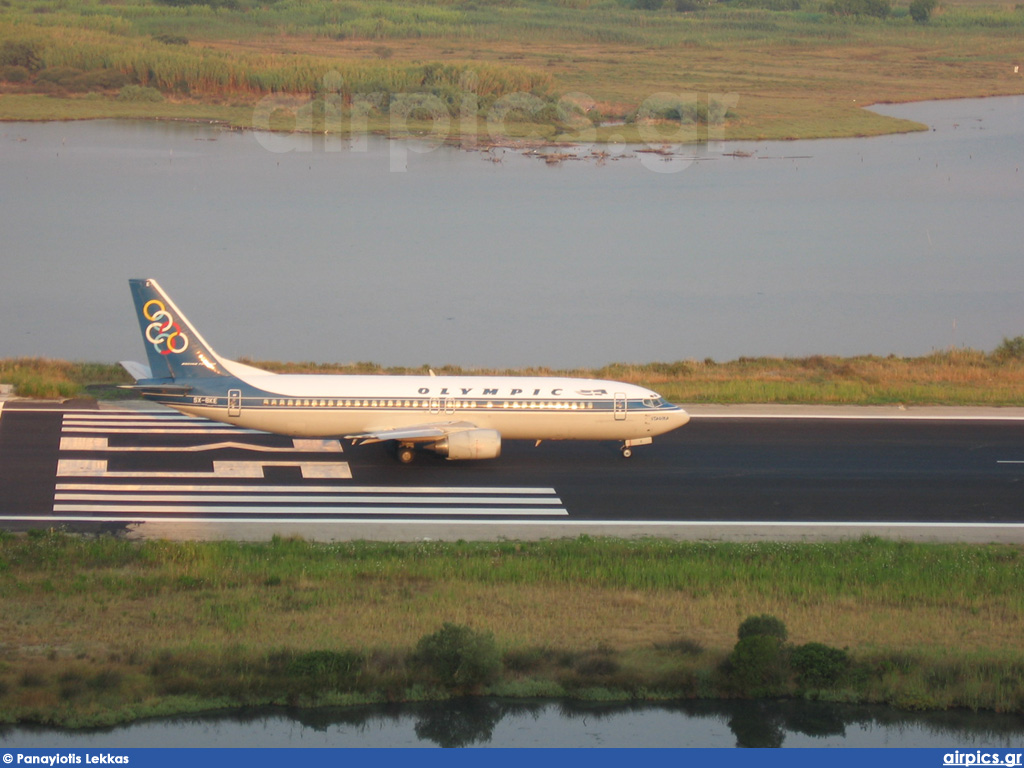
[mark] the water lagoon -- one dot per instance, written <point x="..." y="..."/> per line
<point x="372" y="250"/>
<point x="508" y="723"/>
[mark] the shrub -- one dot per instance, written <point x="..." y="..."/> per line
<point x="72" y="685"/>
<point x="757" y="666"/>
<point x="171" y="39"/>
<point x="921" y="10"/>
<point x="684" y="646"/>
<point x="528" y="660"/>
<point x="106" y="680"/>
<point x="31" y="679"/>
<point x="1009" y="349"/>
<point x="97" y="79"/>
<point x="18" y="53"/>
<point x="686" y="111"/>
<point x="58" y="75"/>
<point x="139" y="93"/>
<point x="819" y="665"/>
<point x="597" y="666"/>
<point x="13" y="74"/>
<point x="877" y="8"/>
<point x="460" y="656"/>
<point x="764" y="625"/>
<point x="332" y="668"/>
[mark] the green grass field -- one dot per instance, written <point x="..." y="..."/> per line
<point x="102" y="630"/>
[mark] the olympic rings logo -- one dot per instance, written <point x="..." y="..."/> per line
<point x="163" y="330"/>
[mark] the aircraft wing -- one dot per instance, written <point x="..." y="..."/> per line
<point x="414" y="433"/>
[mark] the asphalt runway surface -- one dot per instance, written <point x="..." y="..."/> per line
<point x="732" y="473"/>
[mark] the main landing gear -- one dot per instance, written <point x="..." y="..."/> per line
<point x="405" y="453"/>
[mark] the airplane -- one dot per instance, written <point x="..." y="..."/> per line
<point x="458" y="417"/>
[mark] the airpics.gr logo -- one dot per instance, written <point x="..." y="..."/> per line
<point x="163" y="333"/>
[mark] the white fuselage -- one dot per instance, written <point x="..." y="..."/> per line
<point x="534" y="408"/>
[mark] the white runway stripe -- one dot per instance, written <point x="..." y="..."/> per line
<point x="102" y="445"/>
<point x="309" y="489"/>
<point x="142" y="417"/>
<point x="142" y="429"/>
<point x="127" y="415"/>
<point x="144" y="423"/>
<point x="271" y="520"/>
<point x="129" y="513"/>
<point x="323" y="500"/>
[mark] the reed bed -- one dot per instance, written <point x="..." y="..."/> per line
<point x="800" y="73"/>
<point x="201" y="71"/>
<point x="57" y="379"/>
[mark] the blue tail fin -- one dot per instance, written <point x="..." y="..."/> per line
<point x="174" y="348"/>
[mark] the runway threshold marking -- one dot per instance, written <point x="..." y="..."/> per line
<point x="102" y="445"/>
<point x="133" y="501"/>
<point x="311" y="501"/>
<point x="88" y="490"/>
<point x="310" y="489"/>
<point x="251" y="469"/>
<point x="144" y="423"/>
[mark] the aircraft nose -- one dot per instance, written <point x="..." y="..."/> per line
<point x="667" y="419"/>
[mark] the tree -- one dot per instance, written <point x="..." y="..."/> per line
<point x="763" y="625"/>
<point x="1009" y="349"/>
<point x="459" y="656"/>
<point x="758" y="666"/>
<point x="819" y="665"/>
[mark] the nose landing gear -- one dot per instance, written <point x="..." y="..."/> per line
<point x="628" y="445"/>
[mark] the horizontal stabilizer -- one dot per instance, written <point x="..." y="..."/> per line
<point x="137" y="371"/>
<point x="158" y="387"/>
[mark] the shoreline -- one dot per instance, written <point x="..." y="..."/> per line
<point x="523" y="139"/>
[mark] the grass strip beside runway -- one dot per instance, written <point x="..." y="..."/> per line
<point x="950" y="377"/>
<point x="104" y="630"/>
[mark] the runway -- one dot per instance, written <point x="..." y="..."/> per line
<point x="742" y="473"/>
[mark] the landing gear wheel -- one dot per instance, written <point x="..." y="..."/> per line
<point x="406" y="454"/>
<point x="626" y="452"/>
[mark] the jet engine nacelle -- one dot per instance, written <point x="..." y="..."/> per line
<point x="470" y="444"/>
